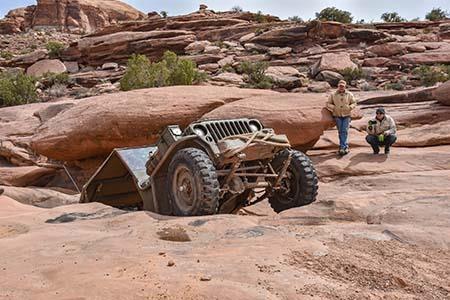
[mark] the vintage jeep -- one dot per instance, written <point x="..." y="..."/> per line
<point x="217" y="166"/>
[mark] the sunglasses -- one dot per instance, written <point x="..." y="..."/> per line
<point x="380" y="113"/>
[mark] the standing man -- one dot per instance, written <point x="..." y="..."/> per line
<point x="341" y="104"/>
<point x="381" y="132"/>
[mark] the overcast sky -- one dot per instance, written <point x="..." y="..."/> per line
<point x="306" y="9"/>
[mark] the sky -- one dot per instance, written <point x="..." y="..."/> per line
<point x="369" y="10"/>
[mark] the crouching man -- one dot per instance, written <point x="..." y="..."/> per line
<point x="381" y="132"/>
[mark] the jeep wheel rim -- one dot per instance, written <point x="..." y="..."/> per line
<point x="288" y="188"/>
<point x="183" y="187"/>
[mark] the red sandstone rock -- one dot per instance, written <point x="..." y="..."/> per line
<point x="46" y="66"/>
<point x="442" y="93"/>
<point x="97" y="125"/>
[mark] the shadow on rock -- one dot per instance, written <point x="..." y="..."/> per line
<point x="71" y="217"/>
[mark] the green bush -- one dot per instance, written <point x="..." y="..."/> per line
<point x="399" y="85"/>
<point x="164" y="14"/>
<point x="237" y="9"/>
<point x="351" y="74"/>
<point x="256" y="75"/>
<point x="6" y="55"/>
<point x="16" y="89"/>
<point x="51" y="79"/>
<point x="171" y="70"/>
<point x="392" y="17"/>
<point x="296" y="19"/>
<point x="260" y="18"/>
<point x="54" y="49"/>
<point x="334" y="14"/>
<point x="430" y="75"/>
<point x="227" y="68"/>
<point x="437" y="14"/>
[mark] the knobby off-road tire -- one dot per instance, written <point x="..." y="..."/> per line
<point x="301" y="183"/>
<point x="192" y="183"/>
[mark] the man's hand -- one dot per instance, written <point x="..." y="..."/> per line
<point x="387" y="132"/>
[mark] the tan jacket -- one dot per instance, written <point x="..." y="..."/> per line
<point x="341" y="104"/>
<point x="386" y="126"/>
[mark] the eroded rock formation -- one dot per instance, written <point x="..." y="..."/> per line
<point x="80" y="16"/>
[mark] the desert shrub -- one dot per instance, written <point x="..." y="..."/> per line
<point x="392" y="17"/>
<point x="16" y="89"/>
<point x="171" y="70"/>
<point x="296" y="19"/>
<point x="237" y="9"/>
<point x="54" y="48"/>
<point x="351" y="74"/>
<point x="430" y="75"/>
<point x="53" y="78"/>
<point x="415" y="19"/>
<point x="256" y="75"/>
<point x="396" y="86"/>
<point x="57" y="90"/>
<point x="6" y="55"/>
<point x="334" y="14"/>
<point x="139" y="74"/>
<point x="399" y="85"/>
<point x="260" y="17"/>
<point x="259" y="31"/>
<point x="437" y="14"/>
<point x="228" y="68"/>
<point x="164" y="14"/>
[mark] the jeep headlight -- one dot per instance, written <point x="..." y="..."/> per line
<point x="254" y="126"/>
<point x="176" y="131"/>
<point x="200" y="131"/>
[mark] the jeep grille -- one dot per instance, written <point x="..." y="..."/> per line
<point x="217" y="130"/>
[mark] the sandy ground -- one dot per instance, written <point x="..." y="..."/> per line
<point x="375" y="234"/>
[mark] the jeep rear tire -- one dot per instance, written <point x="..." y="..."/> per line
<point x="299" y="186"/>
<point x="192" y="184"/>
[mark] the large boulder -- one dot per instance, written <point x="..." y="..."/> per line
<point x="331" y="77"/>
<point x="300" y="116"/>
<point x="388" y="49"/>
<point x="364" y="35"/>
<point x="282" y="36"/>
<point x="19" y="123"/>
<point x="333" y="62"/>
<point x="42" y="67"/>
<point x="25" y="176"/>
<point x="442" y="93"/>
<point x="40" y="197"/>
<point x="96" y="125"/>
<point x="286" y="77"/>
<point x="329" y="29"/>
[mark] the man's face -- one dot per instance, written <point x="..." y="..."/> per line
<point x="341" y="87"/>
<point x="380" y="116"/>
